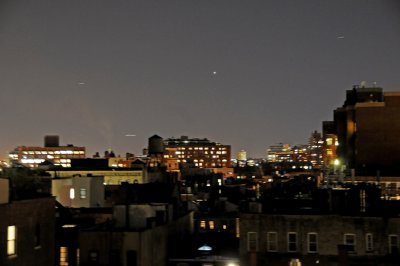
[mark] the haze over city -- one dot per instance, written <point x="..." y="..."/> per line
<point x="244" y="73"/>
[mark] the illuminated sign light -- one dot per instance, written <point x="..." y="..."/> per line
<point x="204" y="248"/>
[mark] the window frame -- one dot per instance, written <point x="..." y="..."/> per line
<point x="252" y="242"/>
<point x="272" y="243"/>
<point x="289" y="242"/>
<point x="83" y="193"/>
<point x="347" y="244"/>
<point x="390" y="243"/>
<point x="12" y="240"/>
<point x="369" y="242"/>
<point x="314" y="242"/>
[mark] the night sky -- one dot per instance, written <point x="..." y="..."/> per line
<point x="244" y="73"/>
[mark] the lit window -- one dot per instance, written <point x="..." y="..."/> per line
<point x="11" y="240"/>
<point x="224" y="227"/>
<point x="78" y="256"/>
<point x="252" y="241"/>
<point x="312" y="239"/>
<point x="203" y="224"/>
<point x="211" y="225"/>
<point x="329" y="141"/>
<point x="369" y="242"/>
<point x="63" y="256"/>
<point x="350" y="241"/>
<point x="72" y="193"/>
<point x="272" y="241"/>
<point x="292" y="242"/>
<point x="237" y="229"/>
<point x="83" y="193"/>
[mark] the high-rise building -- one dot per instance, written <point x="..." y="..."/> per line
<point x="33" y="156"/>
<point x="315" y="143"/>
<point x="368" y="128"/>
<point x="200" y="152"/>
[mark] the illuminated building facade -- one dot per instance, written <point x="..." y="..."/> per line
<point x="279" y="153"/>
<point x="368" y="129"/>
<point x="33" y="156"/>
<point x="200" y="152"/>
<point x="241" y="155"/>
<point x="330" y="142"/>
<point x="315" y="146"/>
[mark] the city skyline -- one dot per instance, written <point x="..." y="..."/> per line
<point x="243" y="74"/>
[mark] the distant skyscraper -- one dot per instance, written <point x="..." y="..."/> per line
<point x="241" y="155"/>
<point x="315" y="143"/>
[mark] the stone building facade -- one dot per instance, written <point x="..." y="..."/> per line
<point x="277" y="239"/>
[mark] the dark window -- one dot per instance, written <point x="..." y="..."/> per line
<point x="292" y="242"/>
<point x="131" y="258"/>
<point x="37" y="238"/>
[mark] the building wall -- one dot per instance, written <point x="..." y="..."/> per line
<point x="367" y="128"/>
<point x="88" y="191"/>
<point x="35" y="229"/>
<point x="150" y="246"/>
<point x="330" y="230"/>
<point x="60" y="189"/>
<point x="4" y="190"/>
<point x="378" y="128"/>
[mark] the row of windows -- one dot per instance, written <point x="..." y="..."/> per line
<point x="200" y="148"/>
<point x="64" y="256"/>
<point x="54" y="152"/>
<point x="349" y="240"/>
<point x="220" y="226"/>
<point x="82" y="193"/>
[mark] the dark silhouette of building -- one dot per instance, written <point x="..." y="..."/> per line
<point x="27" y="228"/>
<point x="367" y="127"/>
<point x="296" y="222"/>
